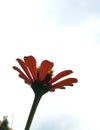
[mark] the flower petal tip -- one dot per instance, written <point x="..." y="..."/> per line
<point x="75" y="80"/>
<point x="13" y="67"/>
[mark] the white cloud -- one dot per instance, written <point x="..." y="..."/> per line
<point x="60" y="122"/>
<point x="70" y="11"/>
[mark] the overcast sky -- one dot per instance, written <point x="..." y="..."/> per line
<point x="66" y="32"/>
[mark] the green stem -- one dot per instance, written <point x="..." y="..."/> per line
<point x="33" y="110"/>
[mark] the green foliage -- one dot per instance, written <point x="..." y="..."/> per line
<point x="4" y="125"/>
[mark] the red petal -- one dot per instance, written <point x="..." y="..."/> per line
<point x="25" y="68"/>
<point x="66" y="82"/>
<point x="31" y="63"/>
<point x="53" y="89"/>
<point x="22" y="75"/>
<point x="26" y="81"/>
<point x="45" y="67"/>
<point x="60" y="75"/>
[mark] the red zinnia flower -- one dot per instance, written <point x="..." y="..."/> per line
<point x="41" y="78"/>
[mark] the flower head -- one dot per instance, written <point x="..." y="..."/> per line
<point x="41" y="78"/>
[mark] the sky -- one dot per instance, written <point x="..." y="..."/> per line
<point x="66" y="33"/>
